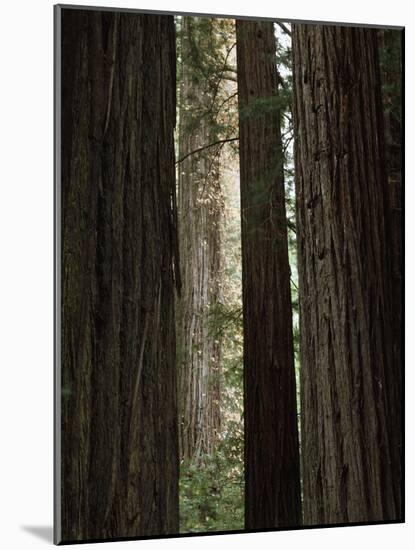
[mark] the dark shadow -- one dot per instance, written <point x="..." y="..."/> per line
<point x="44" y="532"/>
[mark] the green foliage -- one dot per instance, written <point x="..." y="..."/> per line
<point x="212" y="490"/>
<point x="205" y="49"/>
<point x="264" y="106"/>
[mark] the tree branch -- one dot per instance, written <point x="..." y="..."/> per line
<point x="215" y="93"/>
<point x="284" y="28"/>
<point x="291" y="226"/>
<point x="206" y="147"/>
<point x="229" y="98"/>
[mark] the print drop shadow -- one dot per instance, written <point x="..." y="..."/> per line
<point x="44" y="532"/>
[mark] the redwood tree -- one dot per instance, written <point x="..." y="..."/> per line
<point x="200" y="206"/>
<point x="272" y="473"/>
<point x="391" y="45"/>
<point x="351" y="418"/>
<point x="119" y="414"/>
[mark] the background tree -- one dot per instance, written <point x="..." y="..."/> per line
<point x="209" y="320"/>
<point x="350" y="407"/>
<point x="272" y="472"/>
<point x="120" y="463"/>
<point x="200" y="204"/>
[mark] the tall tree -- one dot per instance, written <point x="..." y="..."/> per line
<point x="119" y="414"/>
<point x="350" y="399"/>
<point x="200" y="205"/>
<point x="391" y="43"/>
<point x="272" y="472"/>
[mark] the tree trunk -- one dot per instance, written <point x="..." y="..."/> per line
<point x="119" y="412"/>
<point x="350" y="401"/>
<point x="272" y="473"/>
<point x="391" y="43"/>
<point x="200" y="214"/>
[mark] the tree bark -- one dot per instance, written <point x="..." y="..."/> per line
<point x="119" y="412"/>
<point x="391" y="44"/>
<point x="200" y="204"/>
<point x="272" y="472"/>
<point x="351" y="412"/>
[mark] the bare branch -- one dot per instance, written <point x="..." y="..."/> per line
<point x="207" y="147"/>
<point x="284" y="28"/>
<point x="229" y="98"/>
<point x="291" y="226"/>
<point x="225" y="65"/>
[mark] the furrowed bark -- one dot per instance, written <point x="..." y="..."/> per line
<point x="200" y="205"/>
<point x="119" y="412"/>
<point x="272" y="471"/>
<point x="391" y="44"/>
<point x="351" y="417"/>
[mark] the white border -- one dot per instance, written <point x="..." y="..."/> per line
<point x="26" y="284"/>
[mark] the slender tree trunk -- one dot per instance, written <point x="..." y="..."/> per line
<point x="119" y="414"/>
<point x="350" y="399"/>
<point x="272" y="472"/>
<point x="200" y="214"/>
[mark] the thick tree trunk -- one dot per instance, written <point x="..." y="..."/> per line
<point x="349" y="380"/>
<point x="272" y="472"/>
<point x="391" y="47"/>
<point x="200" y="213"/>
<point x="119" y="415"/>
